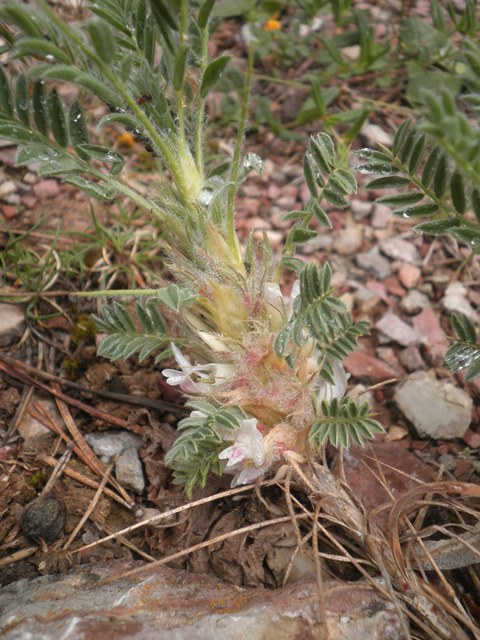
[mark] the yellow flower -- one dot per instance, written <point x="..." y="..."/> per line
<point x="272" y="25"/>
<point x="125" y="139"/>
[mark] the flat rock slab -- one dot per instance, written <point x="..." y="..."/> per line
<point x="436" y="409"/>
<point x="163" y="604"/>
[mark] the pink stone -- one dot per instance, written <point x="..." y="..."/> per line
<point x="432" y="335"/>
<point x="46" y="189"/>
<point x="9" y="211"/>
<point x="256" y="223"/>
<point x="29" y="201"/>
<point x="397" y="330"/>
<point x="251" y="205"/>
<point x="409" y="275"/>
<point x="274" y="192"/>
<point x="393" y="286"/>
<point x="472" y="439"/>
<point x="365" y="367"/>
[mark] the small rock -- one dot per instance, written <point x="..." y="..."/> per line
<point x="276" y="218"/>
<point x="361" y="394"/>
<point x="455" y="300"/>
<point x="464" y="471"/>
<point x="398" y="249"/>
<point x="374" y="262"/>
<point x="275" y="238"/>
<point x="320" y="243"/>
<point x="409" y="275"/>
<point x="30" y="178"/>
<point x="394" y="287"/>
<point x="472" y="439"/>
<point x="436" y="409"/>
<point x="44" y="519"/>
<point x="360" y="209"/>
<point x="12" y="199"/>
<point x="366" y="300"/>
<point x="129" y="471"/>
<point x="348" y="300"/>
<point x="427" y="325"/>
<point x="448" y="461"/>
<point x="352" y="52"/>
<point x="256" y="223"/>
<point x="108" y="444"/>
<point x="287" y="203"/>
<point x="395" y="433"/>
<point x="397" y="330"/>
<point x="251" y="206"/>
<point x="456" y="289"/>
<point x="388" y="355"/>
<point x="411" y="359"/>
<point x="30" y="429"/>
<point x="28" y="201"/>
<point x="414" y="302"/>
<point x="9" y="211"/>
<point x="279" y="557"/>
<point x="348" y="240"/>
<point x="12" y="323"/>
<point x="6" y="188"/>
<point x="46" y="188"/>
<point x="381" y="216"/>
<point x="365" y="367"/>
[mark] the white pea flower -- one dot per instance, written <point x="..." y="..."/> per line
<point x="246" y="455"/>
<point x="205" y="375"/>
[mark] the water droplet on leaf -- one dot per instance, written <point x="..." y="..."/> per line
<point x="365" y="168"/>
<point x="253" y="162"/>
<point x="366" y="152"/>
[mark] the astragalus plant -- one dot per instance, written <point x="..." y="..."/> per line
<point x="262" y="370"/>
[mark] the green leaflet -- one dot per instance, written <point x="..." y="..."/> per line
<point x="104" y="154"/>
<point x="22" y="102"/>
<point x="94" y="189"/>
<point x="343" y="421"/>
<point x="212" y="74"/>
<point x="180" y="65"/>
<point x="123" y="339"/>
<point x="102" y="40"/>
<point x="57" y="119"/>
<point x="5" y="94"/>
<point x="41" y="48"/>
<point x="77" y="129"/>
<point x="39" y="104"/>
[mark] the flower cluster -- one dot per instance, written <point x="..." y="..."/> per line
<point x="268" y="391"/>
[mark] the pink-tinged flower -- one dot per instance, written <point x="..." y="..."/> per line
<point x="246" y="455"/>
<point x="183" y="378"/>
<point x="196" y="378"/>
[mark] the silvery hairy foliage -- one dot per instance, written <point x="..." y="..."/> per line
<point x="262" y="369"/>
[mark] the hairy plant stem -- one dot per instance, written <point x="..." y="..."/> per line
<point x="180" y="93"/>
<point x="231" y="235"/>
